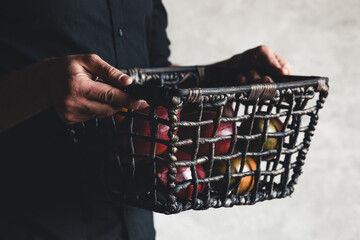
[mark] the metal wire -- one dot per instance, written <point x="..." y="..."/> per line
<point x="276" y="170"/>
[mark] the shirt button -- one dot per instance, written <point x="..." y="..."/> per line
<point x="121" y="32"/>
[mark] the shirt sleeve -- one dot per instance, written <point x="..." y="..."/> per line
<point x="159" y="51"/>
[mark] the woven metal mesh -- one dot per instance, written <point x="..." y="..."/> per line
<point x="142" y="152"/>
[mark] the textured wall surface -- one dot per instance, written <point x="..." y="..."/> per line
<point x="318" y="37"/>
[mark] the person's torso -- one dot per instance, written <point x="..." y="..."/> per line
<point x="37" y="159"/>
<point x="116" y="30"/>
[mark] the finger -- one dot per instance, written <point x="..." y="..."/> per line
<point x="285" y="65"/>
<point x="272" y="65"/>
<point x="267" y="79"/>
<point x="267" y="61"/>
<point x="240" y="79"/>
<point x="138" y="104"/>
<point x="253" y="77"/>
<point x="99" y="110"/>
<point x="107" y="94"/>
<point x="94" y="64"/>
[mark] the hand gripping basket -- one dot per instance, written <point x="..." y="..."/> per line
<point x="219" y="170"/>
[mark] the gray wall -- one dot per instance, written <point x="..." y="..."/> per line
<point x="318" y="37"/>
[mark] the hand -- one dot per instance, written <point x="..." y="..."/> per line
<point x="255" y="65"/>
<point x="77" y="97"/>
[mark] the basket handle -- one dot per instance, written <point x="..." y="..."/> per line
<point x="150" y="84"/>
<point x="262" y="91"/>
<point x="151" y="94"/>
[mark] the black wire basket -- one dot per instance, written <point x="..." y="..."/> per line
<point x="196" y="147"/>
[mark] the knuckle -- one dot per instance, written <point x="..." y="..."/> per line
<point x="94" y="56"/>
<point x="106" y="112"/>
<point x="91" y="57"/>
<point x="70" y="63"/>
<point x="133" y="104"/>
<point x="69" y="59"/>
<point x="263" y="48"/>
<point x="68" y="104"/>
<point x="72" y="105"/>
<point x="111" y="70"/>
<point x="109" y="112"/>
<point x="115" y="74"/>
<point x="109" y="95"/>
<point x="251" y="74"/>
<point x="85" y="89"/>
<point x="67" y="117"/>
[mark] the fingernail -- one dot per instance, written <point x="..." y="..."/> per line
<point x="285" y="71"/>
<point x="268" y="79"/>
<point x="125" y="79"/>
<point x="142" y="104"/>
<point x="130" y="80"/>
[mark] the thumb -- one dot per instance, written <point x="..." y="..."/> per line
<point x="97" y="66"/>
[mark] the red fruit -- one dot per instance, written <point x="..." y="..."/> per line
<point x="119" y="117"/>
<point x="224" y="129"/>
<point x="191" y="108"/>
<point x="183" y="174"/>
<point x="142" y="127"/>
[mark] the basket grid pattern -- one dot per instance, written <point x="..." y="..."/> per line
<point x="277" y="170"/>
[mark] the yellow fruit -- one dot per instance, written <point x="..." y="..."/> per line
<point x="246" y="183"/>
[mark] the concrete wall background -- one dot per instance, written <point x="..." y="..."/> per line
<point x="318" y="37"/>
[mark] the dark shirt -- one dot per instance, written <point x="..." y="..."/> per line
<point x="46" y="191"/>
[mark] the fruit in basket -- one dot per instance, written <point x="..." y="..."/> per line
<point x="119" y="117"/>
<point x="142" y="127"/>
<point x="275" y="125"/>
<point x="228" y="111"/>
<point x="246" y="183"/>
<point x="224" y="129"/>
<point x="182" y="174"/>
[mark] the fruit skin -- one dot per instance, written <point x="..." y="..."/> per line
<point x="141" y="126"/>
<point x="224" y="129"/>
<point x="228" y="111"/>
<point x="119" y="117"/>
<point x="246" y="183"/>
<point x="275" y="125"/>
<point x="183" y="174"/>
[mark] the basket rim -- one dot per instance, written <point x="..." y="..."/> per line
<point x="148" y="92"/>
<point x="293" y="83"/>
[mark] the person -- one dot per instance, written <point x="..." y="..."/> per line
<point x="51" y="53"/>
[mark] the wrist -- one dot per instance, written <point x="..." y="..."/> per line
<point x="35" y="82"/>
<point x="44" y="78"/>
<point x="22" y="95"/>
